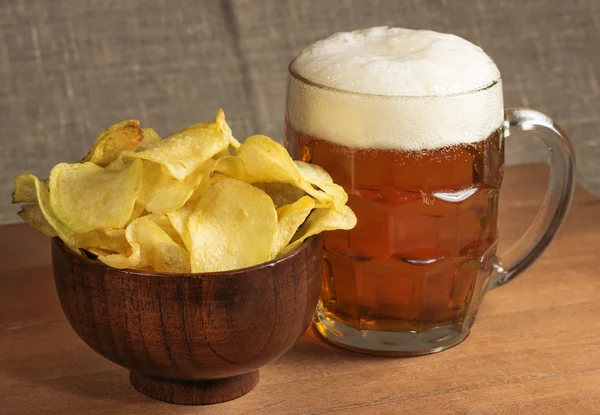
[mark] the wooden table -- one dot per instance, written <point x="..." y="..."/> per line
<point x="535" y="348"/>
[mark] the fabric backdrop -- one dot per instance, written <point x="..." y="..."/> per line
<point x="70" y="68"/>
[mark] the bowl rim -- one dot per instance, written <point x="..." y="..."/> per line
<point x="133" y="272"/>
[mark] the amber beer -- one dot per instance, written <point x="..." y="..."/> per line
<point x="425" y="235"/>
<point x="422" y="171"/>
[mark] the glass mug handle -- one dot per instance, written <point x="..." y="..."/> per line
<point x="558" y="196"/>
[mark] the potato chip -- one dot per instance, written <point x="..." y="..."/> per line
<point x="119" y="137"/>
<point x="317" y="176"/>
<point x="150" y="138"/>
<point x="266" y="160"/>
<point x="151" y="247"/>
<point x="214" y="170"/>
<point x="281" y="193"/>
<point x="230" y="166"/>
<point x="112" y="240"/>
<point x="165" y="224"/>
<point x="162" y="193"/>
<point x="24" y="189"/>
<point x="179" y="222"/>
<point x="233" y="226"/>
<point x="223" y="127"/>
<point x="184" y="203"/>
<point x="289" y="219"/>
<point x="321" y="220"/>
<point x="32" y="214"/>
<point x="313" y="173"/>
<point x="85" y="197"/>
<point x="183" y="153"/>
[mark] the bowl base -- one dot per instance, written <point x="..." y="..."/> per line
<point x="200" y="392"/>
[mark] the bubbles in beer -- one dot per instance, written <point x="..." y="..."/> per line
<point x="391" y="88"/>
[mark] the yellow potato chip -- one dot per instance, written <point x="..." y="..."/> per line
<point x="183" y="153"/>
<point x="319" y="177"/>
<point x="150" y="138"/>
<point x="32" y="214"/>
<point x="313" y="173"/>
<point x="138" y="210"/>
<point x="85" y="197"/>
<point x="151" y="247"/>
<point x="289" y="219"/>
<point x="222" y="153"/>
<point x="165" y="224"/>
<point x="161" y="193"/>
<point x="225" y="129"/>
<point x="215" y="170"/>
<point x="184" y="203"/>
<point x="266" y="160"/>
<point x="179" y="222"/>
<point x="233" y="226"/>
<point x="24" y="189"/>
<point x="122" y="136"/>
<point x="230" y="166"/>
<point x="321" y="220"/>
<point x="281" y="193"/>
<point x="129" y="260"/>
<point x="112" y="240"/>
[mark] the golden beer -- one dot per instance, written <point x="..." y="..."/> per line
<point x="427" y="229"/>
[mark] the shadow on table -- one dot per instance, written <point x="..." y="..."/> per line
<point x="313" y="345"/>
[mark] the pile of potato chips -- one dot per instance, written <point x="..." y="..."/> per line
<point x="197" y="201"/>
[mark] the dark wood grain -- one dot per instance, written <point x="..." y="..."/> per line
<point x="190" y="338"/>
<point x="534" y="349"/>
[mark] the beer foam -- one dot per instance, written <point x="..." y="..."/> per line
<point x="393" y="88"/>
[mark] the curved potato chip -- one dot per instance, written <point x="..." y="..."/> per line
<point x="322" y="220"/>
<point x="319" y="177"/>
<point x="85" y="197"/>
<point x="222" y="153"/>
<point x="150" y="138"/>
<point x="130" y="259"/>
<point x="24" y="189"/>
<point x="227" y="166"/>
<point x="32" y="214"/>
<point x="289" y="219"/>
<point x="313" y="173"/>
<point x="162" y="193"/>
<point x="138" y="210"/>
<point x="225" y="129"/>
<point x="183" y="203"/>
<point x="119" y="137"/>
<point x="165" y="224"/>
<point x="266" y="160"/>
<point x="230" y="166"/>
<point x="183" y="153"/>
<point x="112" y="240"/>
<point x="179" y="221"/>
<point x="281" y="193"/>
<point x="151" y="247"/>
<point x="233" y="226"/>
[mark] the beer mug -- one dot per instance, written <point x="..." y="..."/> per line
<point x="412" y="125"/>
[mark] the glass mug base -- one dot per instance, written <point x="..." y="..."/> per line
<point x="389" y="343"/>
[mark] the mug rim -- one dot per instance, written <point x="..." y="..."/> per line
<point x="294" y="74"/>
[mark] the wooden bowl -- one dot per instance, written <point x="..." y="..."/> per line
<point x="190" y="338"/>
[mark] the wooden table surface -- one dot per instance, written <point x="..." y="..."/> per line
<point x="535" y="348"/>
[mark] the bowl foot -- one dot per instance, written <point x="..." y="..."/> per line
<point x="200" y="392"/>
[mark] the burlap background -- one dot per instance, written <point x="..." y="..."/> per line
<point x="69" y="68"/>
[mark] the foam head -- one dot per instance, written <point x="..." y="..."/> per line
<point x="395" y="88"/>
